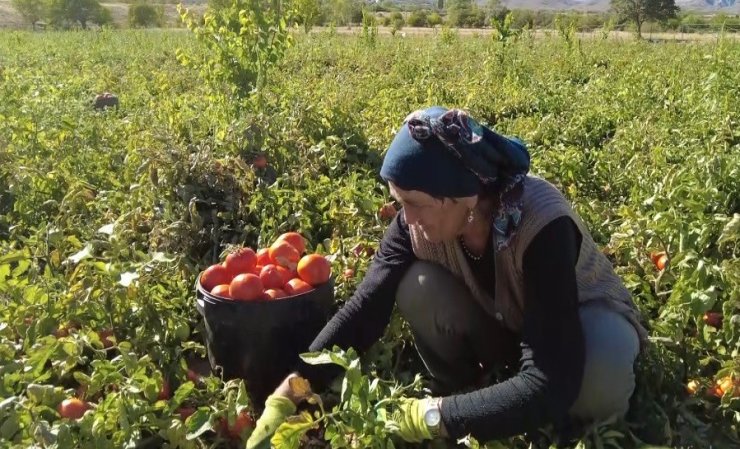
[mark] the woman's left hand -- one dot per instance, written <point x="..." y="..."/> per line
<point x="409" y="415"/>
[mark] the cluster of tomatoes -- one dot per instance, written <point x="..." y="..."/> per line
<point x="722" y="386"/>
<point x="278" y="271"/>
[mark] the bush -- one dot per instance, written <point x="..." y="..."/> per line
<point x="417" y="19"/>
<point x="143" y="15"/>
<point x="434" y="19"/>
<point x="396" y="20"/>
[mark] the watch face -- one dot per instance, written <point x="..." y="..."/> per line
<point x="432" y="417"/>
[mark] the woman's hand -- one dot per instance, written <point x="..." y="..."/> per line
<point x="278" y="406"/>
<point x="410" y="418"/>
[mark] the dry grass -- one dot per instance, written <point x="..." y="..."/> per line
<point x="618" y="35"/>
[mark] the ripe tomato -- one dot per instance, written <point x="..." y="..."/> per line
<point x="294" y="239"/>
<point x="286" y="274"/>
<point x="349" y="273"/>
<point x="241" y="261"/>
<point x="263" y="256"/>
<point x="275" y="293"/>
<point x="271" y="277"/>
<point x="296" y="286"/>
<point x="714" y="391"/>
<point x="257" y="269"/>
<point x="260" y="161"/>
<point x="193" y="377"/>
<point x="213" y="276"/>
<point x="362" y="250"/>
<point x="314" y="269"/>
<point x="241" y="423"/>
<point x="387" y="211"/>
<point x="692" y="387"/>
<point x="185" y="412"/>
<point x="713" y="319"/>
<point x="725" y="385"/>
<point x="165" y="392"/>
<point x="284" y="254"/>
<point x="222" y="291"/>
<point x="246" y="287"/>
<point x="105" y="337"/>
<point x="72" y="408"/>
<point x="660" y="259"/>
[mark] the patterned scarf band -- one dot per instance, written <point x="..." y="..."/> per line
<point x="500" y="163"/>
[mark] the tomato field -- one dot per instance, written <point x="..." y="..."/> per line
<point x="108" y="215"/>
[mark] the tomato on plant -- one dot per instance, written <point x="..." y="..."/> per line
<point x="72" y="408"/>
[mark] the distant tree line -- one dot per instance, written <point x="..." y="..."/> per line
<point x="630" y="15"/>
<point x="63" y="13"/>
<point x="66" y="14"/>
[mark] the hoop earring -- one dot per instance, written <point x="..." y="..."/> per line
<point x="471" y="215"/>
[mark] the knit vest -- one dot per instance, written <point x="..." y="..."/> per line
<point x="541" y="204"/>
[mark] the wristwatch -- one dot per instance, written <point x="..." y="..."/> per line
<point x="432" y="416"/>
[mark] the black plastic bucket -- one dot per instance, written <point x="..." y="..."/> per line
<point x="259" y="341"/>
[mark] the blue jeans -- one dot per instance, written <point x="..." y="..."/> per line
<point x="453" y="336"/>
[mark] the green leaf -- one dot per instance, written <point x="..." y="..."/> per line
<point x="161" y="257"/>
<point x="10" y="427"/>
<point x="14" y="256"/>
<point x="8" y="402"/>
<point x="183" y="392"/>
<point x="730" y="233"/>
<point x="45" y="394"/>
<point x="322" y="358"/>
<point x="44" y="433"/>
<point x="288" y="435"/>
<point x="81" y="378"/>
<point x="199" y="423"/>
<point x="39" y="358"/>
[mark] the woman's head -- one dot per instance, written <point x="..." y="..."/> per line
<point x="441" y="162"/>
<point x="435" y="189"/>
<point x="439" y="218"/>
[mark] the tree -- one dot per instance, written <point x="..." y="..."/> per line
<point x="308" y="11"/>
<point x="641" y="11"/>
<point x="459" y="12"/>
<point x="31" y="10"/>
<point x="144" y="15"/>
<point x="67" y="13"/>
<point x="495" y="11"/>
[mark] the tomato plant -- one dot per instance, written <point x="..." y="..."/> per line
<point x="108" y="216"/>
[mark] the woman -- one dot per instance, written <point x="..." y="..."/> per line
<point x="483" y="258"/>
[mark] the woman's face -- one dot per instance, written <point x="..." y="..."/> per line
<point x="439" y="220"/>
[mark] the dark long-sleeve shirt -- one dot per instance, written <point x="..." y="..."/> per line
<point x="552" y="344"/>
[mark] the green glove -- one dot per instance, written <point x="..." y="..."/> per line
<point x="410" y="418"/>
<point x="277" y="409"/>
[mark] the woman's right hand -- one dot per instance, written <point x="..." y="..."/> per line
<point x="278" y="407"/>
